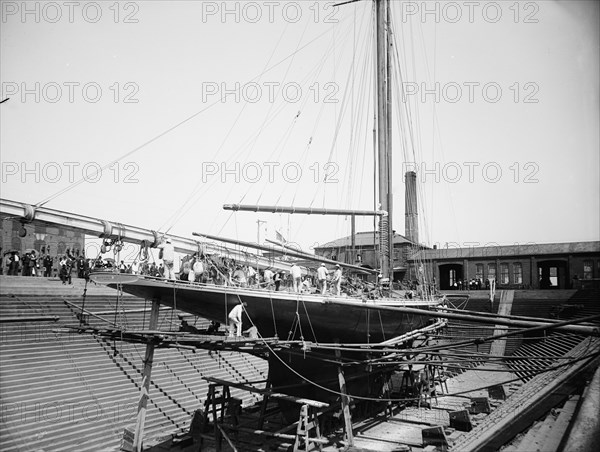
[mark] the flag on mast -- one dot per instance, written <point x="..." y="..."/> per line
<point x="279" y="237"/>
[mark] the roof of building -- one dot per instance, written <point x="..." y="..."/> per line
<point x="494" y="250"/>
<point x="361" y="239"/>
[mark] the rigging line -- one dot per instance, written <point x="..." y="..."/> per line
<point x="381" y="325"/>
<point x="354" y="113"/>
<point x="299" y="320"/>
<point x="173" y="127"/>
<point x="198" y="191"/>
<point x="287" y="134"/>
<point x="273" y="316"/>
<point x="319" y="69"/>
<point x="356" y="118"/>
<point x="254" y="138"/>
<point x="380" y="399"/>
<point x="414" y="138"/>
<point x="321" y="187"/>
<point x="309" y="322"/>
<point x="200" y="181"/>
<point x="363" y="116"/>
<point x="305" y="153"/>
<point x="272" y="106"/>
<point x="200" y="187"/>
<point x="352" y="83"/>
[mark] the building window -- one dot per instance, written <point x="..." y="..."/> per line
<point x="479" y="271"/>
<point x="504" y="274"/>
<point x="518" y="273"/>
<point x="491" y="271"/>
<point x="588" y="268"/>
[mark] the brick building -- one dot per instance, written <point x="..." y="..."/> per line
<point x="50" y="239"/>
<point x="365" y="252"/>
<point x="534" y="266"/>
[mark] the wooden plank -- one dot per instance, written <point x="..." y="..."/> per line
<point x="560" y="426"/>
<point x="261" y="432"/>
<point x="276" y="395"/>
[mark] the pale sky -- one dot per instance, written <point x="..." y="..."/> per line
<point x="503" y="97"/>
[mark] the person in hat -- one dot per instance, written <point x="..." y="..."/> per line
<point x="167" y="254"/>
<point x="337" y="279"/>
<point x="322" y="277"/>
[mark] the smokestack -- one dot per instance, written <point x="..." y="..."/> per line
<point x="411" y="224"/>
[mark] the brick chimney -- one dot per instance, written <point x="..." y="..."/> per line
<point x="411" y="224"/>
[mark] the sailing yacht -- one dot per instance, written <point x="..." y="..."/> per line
<point x="365" y="319"/>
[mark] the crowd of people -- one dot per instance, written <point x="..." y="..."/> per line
<point x="221" y="270"/>
<point x="194" y="268"/>
<point x="33" y="263"/>
<point x="472" y="284"/>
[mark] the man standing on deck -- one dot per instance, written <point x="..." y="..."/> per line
<point x="198" y="269"/>
<point x="296" y="277"/>
<point x="337" y="280"/>
<point x="268" y="276"/>
<point x="167" y="250"/>
<point x="251" y="273"/>
<point x="235" y="320"/>
<point x="322" y="277"/>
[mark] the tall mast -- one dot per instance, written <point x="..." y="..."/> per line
<point x="383" y="157"/>
<point x="388" y="141"/>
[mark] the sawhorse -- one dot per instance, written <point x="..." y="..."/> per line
<point x="307" y="422"/>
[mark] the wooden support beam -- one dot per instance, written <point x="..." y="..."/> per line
<point x="289" y="398"/>
<point x="265" y="402"/>
<point x="345" y="404"/>
<point x="146" y="375"/>
<point x="585" y="431"/>
<point x="39" y="318"/>
<point x="560" y="426"/>
<point x="261" y="432"/>
<point x="226" y="438"/>
<point x="302" y="210"/>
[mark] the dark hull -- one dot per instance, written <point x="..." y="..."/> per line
<point x="282" y="314"/>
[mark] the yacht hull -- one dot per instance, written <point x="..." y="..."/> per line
<point x="285" y="315"/>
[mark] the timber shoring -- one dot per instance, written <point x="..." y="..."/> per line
<point x="534" y="399"/>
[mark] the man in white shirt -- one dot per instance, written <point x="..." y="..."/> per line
<point x="168" y="257"/>
<point x="322" y="277"/>
<point x="198" y="269"/>
<point x="337" y="280"/>
<point x="235" y="320"/>
<point x="251" y="276"/>
<point x="268" y="275"/>
<point x="296" y="276"/>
